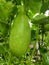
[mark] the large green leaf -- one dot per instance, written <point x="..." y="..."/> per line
<point x="45" y="6"/>
<point x="33" y="5"/>
<point x="41" y="18"/>
<point x="5" y="10"/>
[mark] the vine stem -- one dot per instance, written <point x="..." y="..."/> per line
<point x="42" y="33"/>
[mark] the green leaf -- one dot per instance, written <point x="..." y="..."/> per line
<point x="47" y="27"/>
<point x="33" y="5"/>
<point x="4" y="28"/>
<point x="2" y="51"/>
<point x="17" y="2"/>
<point x="5" y="10"/>
<point x="45" y="6"/>
<point x="30" y="14"/>
<point x="41" y="18"/>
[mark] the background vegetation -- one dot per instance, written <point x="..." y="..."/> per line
<point x="38" y="52"/>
